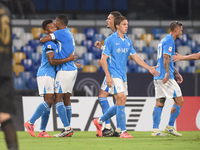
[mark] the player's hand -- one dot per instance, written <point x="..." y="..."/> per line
<point x="179" y="78"/>
<point x="97" y="44"/>
<point x="78" y="65"/>
<point x="176" y="57"/>
<point x="73" y="57"/>
<point x="99" y="63"/>
<point x="153" y="71"/>
<point x="109" y="81"/>
<point x="166" y="78"/>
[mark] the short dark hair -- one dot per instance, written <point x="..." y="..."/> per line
<point x="115" y="14"/>
<point x="174" y="24"/>
<point x="63" y="19"/>
<point x="118" y="20"/>
<point x="46" y="22"/>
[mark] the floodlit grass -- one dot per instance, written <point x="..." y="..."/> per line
<point x="88" y="141"/>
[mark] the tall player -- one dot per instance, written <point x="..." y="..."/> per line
<point x="45" y="79"/>
<point x="67" y="72"/>
<point x="7" y="106"/>
<point x="114" y="61"/>
<point x="102" y="97"/>
<point x="165" y="84"/>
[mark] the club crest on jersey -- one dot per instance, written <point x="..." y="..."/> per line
<point x="170" y="49"/>
<point x="103" y="47"/>
<point x="129" y="44"/>
<point x="48" y="46"/>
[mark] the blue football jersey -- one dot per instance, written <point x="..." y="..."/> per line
<point x="118" y="50"/>
<point x="166" y="46"/>
<point x="45" y="68"/>
<point x="66" y="46"/>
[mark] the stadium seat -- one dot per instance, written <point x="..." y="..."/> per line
<point x="97" y="37"/>
<point x="154" y="56"/>
<point x="197" y="63"/>
<point x="143" y="56"/>
<point x="26" y="75"/>
<point x="18" y="43"/>
<point x="18" y="56"/>
<point x="32" y="83"/>
<point x="131" y="65"/>
<point x="34" y="44"/>
<point x="36" y="32"/>
<point x="89" y="32"/>
<point x="79" y="37"/>
<point x="148" y="50"/>
<point x="17" y="69"/>
<point x="132" y="37"/>
<point x="136" y="49"/>
<point x="14" y="49"/>
<point x="34" y="69"/>
<point x="150" y="62"/>
<point x="80" y="50"/>
<point x="89" y="68"/>
<point x="140" y="69"/>
<point x="157" y="32"/>
<point x="94" y="62"/>
<point x="73" y="30"/>
<point x="26" y="37"/>
<point x="18" y="31"/>
<point x="147" y="37"/>
<point x="14" y="36"/>
<point x="177" y="43"/>
<point x="27" y="63"/>
<point x="183" y="50"/>
<point x="184" y="38"/>
<point x="39" y="49"/>
<point x="154" y="43"/>
<point x="88" y="44"/>
<point x="182" y="64"/>
<point x="140" y="44"/>
<point x="105" y="31"/>
<point x="138" y="32"/>
<point x="19" y="83"/>
<point x="27" y="50"/>
<point x="88" y="57"/>
<point x="192" y="44"/>
<point x="163" y="35"/>
<point x="196" y="37"/>
<point x="104" y="5"/>
<point x="190" y="69"/>
<point x="88" y="5"/>
<point x="36" y="58"/>
<point x="97" y="52"/>
<point x="40" y="5"/>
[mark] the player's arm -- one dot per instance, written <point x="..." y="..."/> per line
<point x="104" y="58"/>
<point x="45" y="39"/>
<point x="52" y="61"/>
<point x="166" y="61"/>
<point x="179" y="57"/>
<point x="140" y="62"/>
<point x="178" y="76"/>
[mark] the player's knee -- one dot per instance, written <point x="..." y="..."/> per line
<point x="160" y="102"/>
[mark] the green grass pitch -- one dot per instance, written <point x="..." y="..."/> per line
<point x="83" y="140"/>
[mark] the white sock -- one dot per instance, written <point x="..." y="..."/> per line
<point x="67" y="128"/>
<point x="100" y="121"/>
<point x="118" y="130"/>
<point x="108" y="126"/>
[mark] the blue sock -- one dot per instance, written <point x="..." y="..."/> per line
<point x="156" y="117"/>
<point x="44" y="119"/>
<point x="39" y="112"/>
<point x="69" y="112"/>
<point x="109" y="113"/>
<point x="174" y="115"/>
<point x="62" y="113"/>
<point x="121" y="117"/>
<point x="104" y="105"/>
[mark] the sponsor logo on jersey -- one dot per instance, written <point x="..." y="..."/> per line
<point x="48" y="46"/>
<point x="170" y="49"/>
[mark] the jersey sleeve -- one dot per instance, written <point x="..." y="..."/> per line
<point x="50" y="46"/>
<point x="107" y="47"/>
<point x="56" y="35"/>
<point x="167" y="48"/>
<point x="132" y="51"/>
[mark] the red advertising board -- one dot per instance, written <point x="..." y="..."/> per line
<point x="189" y="118"/>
